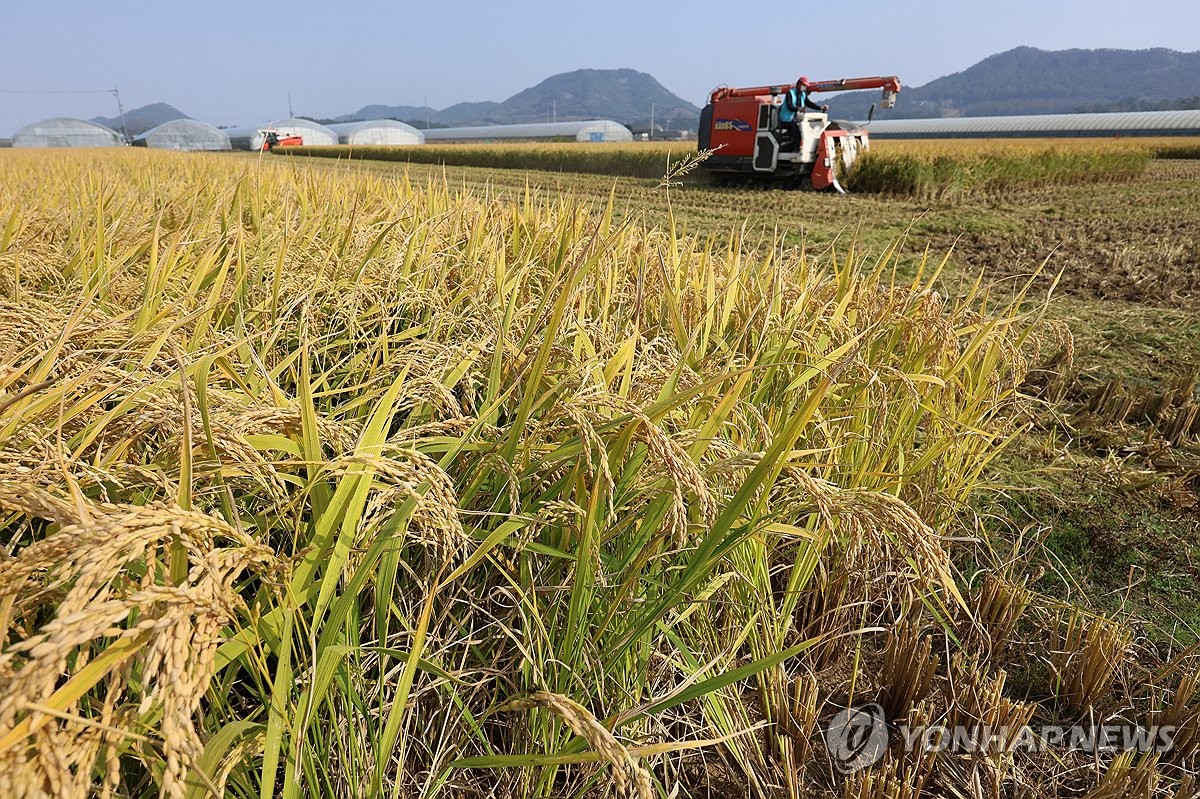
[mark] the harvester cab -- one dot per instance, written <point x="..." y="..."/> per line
<point x="743" y="127"/>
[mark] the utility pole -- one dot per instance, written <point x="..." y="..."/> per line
<point x="121" y="111"/>
<point x="426" y="101"/>
<point x="555" y="107"/>
<point x="652" y="120"/>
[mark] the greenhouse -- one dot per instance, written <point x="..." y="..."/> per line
<point x="1131" y="123"/>
<point x="252" y="137"/>
<point x="66" y="132"/>
<point x="599" y="130"/>
<point x="184" y="134"/>
<point x="377" y="131"/>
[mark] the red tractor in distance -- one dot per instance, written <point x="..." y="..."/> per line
<point x="742" y="127"/>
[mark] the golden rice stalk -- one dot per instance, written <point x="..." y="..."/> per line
<point x="1127" y="779"/>
<point x="909" y="666"/>
<point x="970" y="777"/>
<point x="632" y="780"/>
<point x="889" y="782"/>
<point x="796" y="711"/>
<point x="903" y="775"/>
<point x="1084" y="658"/>
<point x="1183" y="714"/>
<point x="999" y="604"/>
<point x="977" y="702"/>
<point x="825" y="614"/>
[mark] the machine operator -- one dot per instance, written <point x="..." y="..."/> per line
<point x="794" y="103"/>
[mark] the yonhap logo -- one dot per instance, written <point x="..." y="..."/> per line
<point x="857" y="738"/>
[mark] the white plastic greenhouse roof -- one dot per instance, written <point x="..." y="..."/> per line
<point x="1132" y="123"/>
<point x="66" y="132"/>
<point x="249" y="138"/>
<point x="589" y="130"/>
<point x="377" y="131"/>
<point x="184" y="134"/>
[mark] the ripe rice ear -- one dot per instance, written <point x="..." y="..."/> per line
<point x="111" y="612"/>
<point x="632" y="780"/>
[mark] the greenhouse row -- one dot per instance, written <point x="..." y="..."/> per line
<point x="1129" y="123"/>
<point x="191" y="134"/>
<point x="597" y="130"/>
<point x="66" y="132"/>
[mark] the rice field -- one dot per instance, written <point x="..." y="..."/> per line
<point x="923" y="169"/>
<point x="935" y="174"/>
<point x="339" y="482"/>
<point x="946" y="168"/>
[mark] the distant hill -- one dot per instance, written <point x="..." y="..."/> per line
<point x="457" y="114"/>
<point x="140" y="120"/>
<point x="465" y="113"/>
<point x="1026" y="80"/>
<point x="386" y="112"/>
<point x="624" y="95"/>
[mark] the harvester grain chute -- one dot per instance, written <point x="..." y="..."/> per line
<point x="743" y="127"/>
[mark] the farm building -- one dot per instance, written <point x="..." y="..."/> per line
<point x="589" y="130"/>
<point x="1131" y="123"/>
<point x="66" y="132"/>
<point x="377" y="131"/>
<point x="184" y="134"/>
<point x="251" y="137"/>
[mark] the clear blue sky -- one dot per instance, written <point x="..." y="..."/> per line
<point x="235" y="63"/>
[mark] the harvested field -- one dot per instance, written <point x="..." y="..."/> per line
<point x="340" y="479"/>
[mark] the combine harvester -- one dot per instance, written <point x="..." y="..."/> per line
<point x="743" y="127"/>
<point x="272" y="138"/>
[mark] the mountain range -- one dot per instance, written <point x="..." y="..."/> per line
<point x="1023" y="80"/>
<point x="1026" y="80"/>
<point x="625" y="95"/>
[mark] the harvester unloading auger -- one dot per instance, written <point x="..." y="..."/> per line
<point x="743" y="127"/>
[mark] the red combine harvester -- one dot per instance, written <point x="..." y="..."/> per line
<point x="273" y="138"/>
<point x="744" y="125"/>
